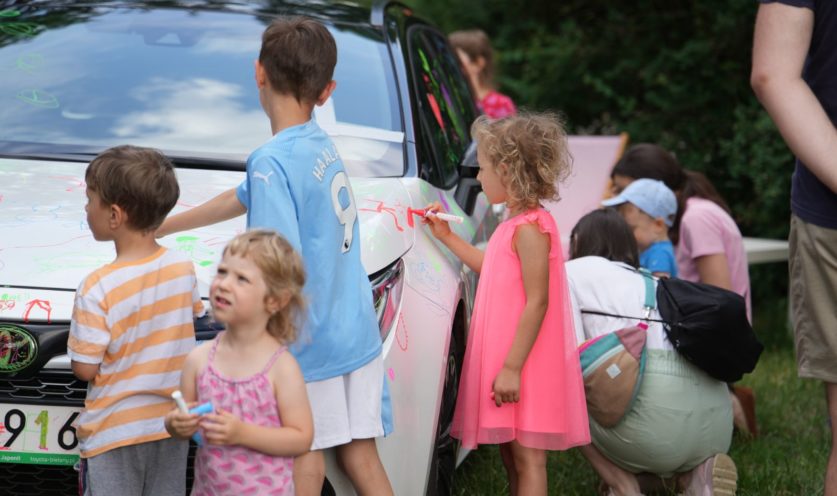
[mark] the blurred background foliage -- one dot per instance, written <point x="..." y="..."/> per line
<point x="672" y="72"/>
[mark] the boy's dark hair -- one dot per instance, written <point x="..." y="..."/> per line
<point x="139" y="180"/>
<point x="298" y="55"/>
<point x="604" y="233"/>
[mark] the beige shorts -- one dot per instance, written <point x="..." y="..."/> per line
<point x="813" y="299"/>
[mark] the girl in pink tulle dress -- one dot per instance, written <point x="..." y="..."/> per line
<point x="521" y="382"/>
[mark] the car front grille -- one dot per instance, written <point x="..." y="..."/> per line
<point x="49" y="388"/>
<point x="38" y="480"/>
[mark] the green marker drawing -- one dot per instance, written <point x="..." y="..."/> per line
<point x="43" y="421"/>
<point x="189" y="244"/>
<point x="38" y="98"/>
<point x="18" y="28"/>
<point x="28" y="62"/>
<point x="9" y="13"/>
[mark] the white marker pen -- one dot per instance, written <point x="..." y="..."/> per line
<point x="446" y="217"/>
<point x="177" y="396"/>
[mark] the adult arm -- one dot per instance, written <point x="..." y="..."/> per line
<point x="534" y="268"/>
<point x="714" y="270"/>
<point x="223" y="207"/>
<point x="780" y="47"/>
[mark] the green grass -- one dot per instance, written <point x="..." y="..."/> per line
<point x="788" y="458"/>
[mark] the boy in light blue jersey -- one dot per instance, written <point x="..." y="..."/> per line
<point x="297" y="185"/>
<point x="649" y="207"/>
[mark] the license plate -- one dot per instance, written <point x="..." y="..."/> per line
<point x="38" y="434"/>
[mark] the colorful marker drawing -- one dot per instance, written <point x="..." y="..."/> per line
<point x="382" y="208"/>
<point x="43" y="420"/>
<point x="29" y="62"/>
<point x="36" y="97"/>
<point x="200" y="254"/>
<point x="74" y="182"/>
<point x="18" y="28"/>
<point x="401" y="335"/>
<point x="42" y="304"/>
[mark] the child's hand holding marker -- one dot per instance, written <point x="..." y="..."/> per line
<point x="441" y="215"/>
<point x="180" y="422"/>
<point x="434" y="217"/>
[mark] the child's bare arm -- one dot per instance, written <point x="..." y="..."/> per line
<point x="468" y="253"/>
<point x="179" y="424"/>
<point x="533" y="250"/>
<point x="85" y="371"/>
<point x="297" y="431"/>
<point x="223" y="207"/>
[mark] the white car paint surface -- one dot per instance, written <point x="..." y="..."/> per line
<point x="47" y="249"/>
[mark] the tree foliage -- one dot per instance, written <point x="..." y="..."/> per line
<point x="675" y="73"/>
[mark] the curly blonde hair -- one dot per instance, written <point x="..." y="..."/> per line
<point x="283" y="273"/>
<point x="533" y="146"/>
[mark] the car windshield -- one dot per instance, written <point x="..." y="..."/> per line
<point x="178" y="80"/>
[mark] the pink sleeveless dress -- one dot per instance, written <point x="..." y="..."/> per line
<point x="236" y="470"/>
<point x="552" y="411"/>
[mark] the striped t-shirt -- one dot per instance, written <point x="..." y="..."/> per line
<point x="135" y="320"/>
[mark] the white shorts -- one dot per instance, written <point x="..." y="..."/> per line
<point x="348" y="406"/>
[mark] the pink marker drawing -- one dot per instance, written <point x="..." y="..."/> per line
<point x="440" y="215"/>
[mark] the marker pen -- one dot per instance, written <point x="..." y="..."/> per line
<point x="441" y="215"/>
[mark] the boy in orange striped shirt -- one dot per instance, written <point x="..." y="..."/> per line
<point x="131" y="330"/>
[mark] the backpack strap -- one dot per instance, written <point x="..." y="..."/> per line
<point x="650" y="292"/>
<point x="649" y="305"/>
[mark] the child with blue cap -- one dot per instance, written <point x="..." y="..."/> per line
<point x="649" y="207"/>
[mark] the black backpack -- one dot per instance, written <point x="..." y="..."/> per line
<point x="708" y="325"/>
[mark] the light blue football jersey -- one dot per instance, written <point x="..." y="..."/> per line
<point x="296" y="184"/>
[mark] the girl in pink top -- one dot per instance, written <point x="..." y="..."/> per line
<point x="261" y="418"/>
<point x="477" y="57"/>
<point x="521" y="380"/>
<point x="708" y="244"/>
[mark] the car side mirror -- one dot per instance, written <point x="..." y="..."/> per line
<point x="467" y="188"/>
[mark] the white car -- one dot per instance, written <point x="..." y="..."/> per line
<point x="79" y="77"/>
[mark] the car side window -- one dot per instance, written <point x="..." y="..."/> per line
<point x="445" y="105"/>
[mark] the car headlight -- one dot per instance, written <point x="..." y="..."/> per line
<point x="386" y="294"/>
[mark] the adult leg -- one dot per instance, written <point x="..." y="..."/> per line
<point x="530" y="465"/>
<point x="831" y="470"/>
<point x="812" y="264"/>
<point x="620" y="481"/>
<point x="360" y="461"/>
<point x="309" y="473"/>
<point x="508" y="462"/>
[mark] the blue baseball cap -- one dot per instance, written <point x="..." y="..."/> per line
<point x="649" y="195"/>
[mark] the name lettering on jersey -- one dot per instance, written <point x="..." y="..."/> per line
<point x="327" y="157"/>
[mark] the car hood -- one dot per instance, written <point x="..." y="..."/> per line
<point x="46" y="247"/>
